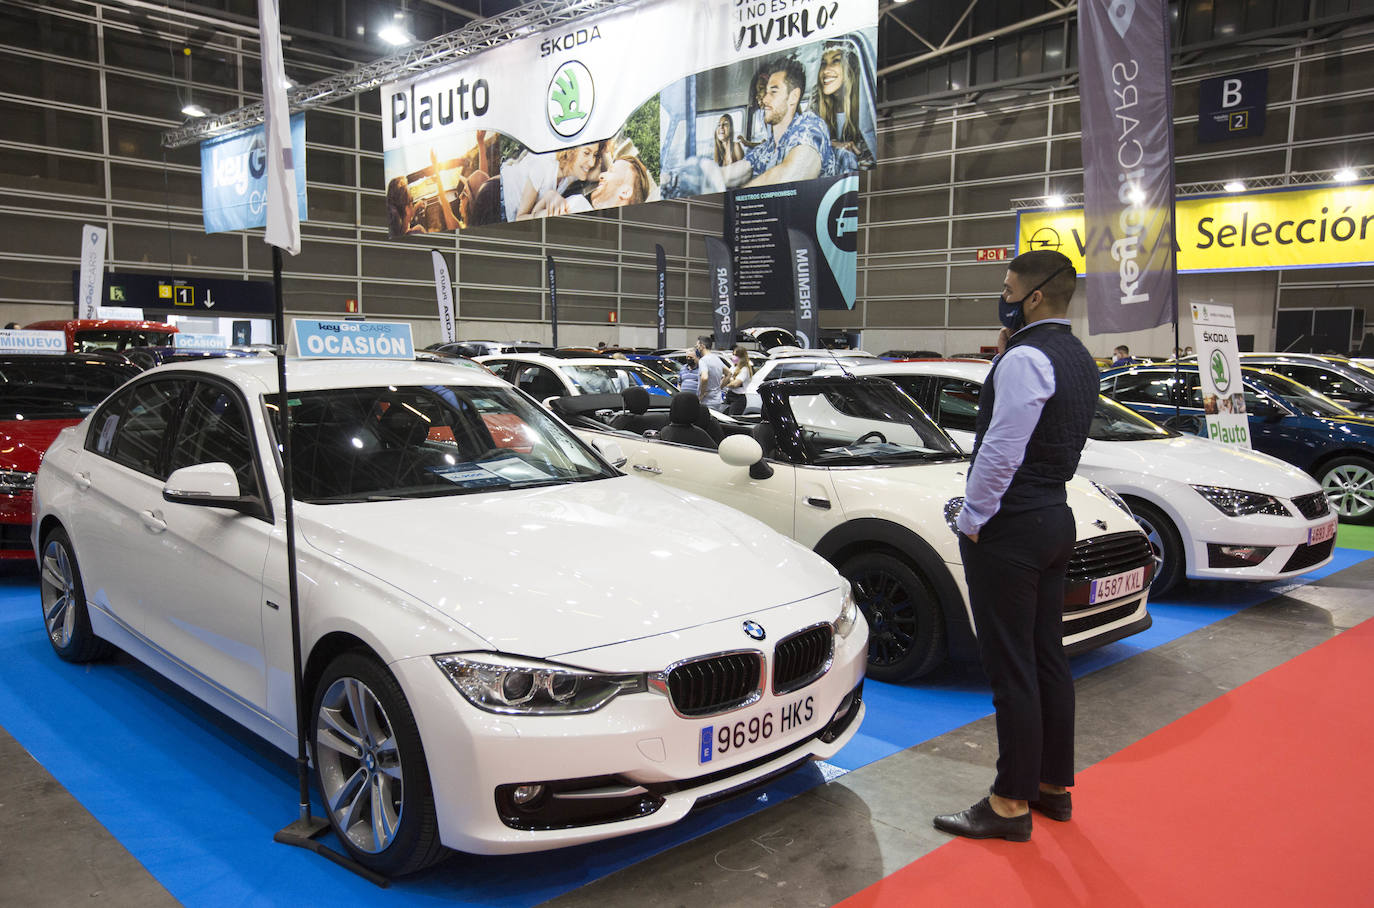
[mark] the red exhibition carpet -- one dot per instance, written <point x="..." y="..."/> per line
<point x="1261" y="797"/>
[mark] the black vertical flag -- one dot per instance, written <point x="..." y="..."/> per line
<point x="661" y="260"/>
<point x="553" y="299"/>
<point x="805" y="289"/>
<point x="722" y="292"/>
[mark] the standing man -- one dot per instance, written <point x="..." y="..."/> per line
<point x="1016" y="533"/>
<point x="711" y="375"/>
<point x="798" y="142"/>
<point x="1121" y="356"/>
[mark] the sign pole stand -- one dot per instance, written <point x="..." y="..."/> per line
<point x="302" y="833"/>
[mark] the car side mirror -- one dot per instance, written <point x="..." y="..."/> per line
<point x="611" y="450"/>
<point x="211" y="485"/>
<point x="744" y="451"/>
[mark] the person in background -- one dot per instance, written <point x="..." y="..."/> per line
<point x="1016" y="534"/>
<point x="1121" y="356"/>
<point x="838" y="103"/>
<point x="710" y="374"/>
<point x="797" y="143"/>
<point x="688" y="377"/>
<point x="735" y="380"/>
<point x="12" y="326"/>
<point x="728" y="148"/>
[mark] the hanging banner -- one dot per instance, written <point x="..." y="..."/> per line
<point x="661" y="265"/>
<point x="1128" y="163"/>
<point x="283" y="221"/>
<point x="553" y="297"/>
<point x="233" y="177"/>
<point x="722" y="292"/>
<point x="443" y="290"/>
<point x="722" y="93"/>
<point x="88" y="297"/>
<point x="804" y="268"/>
<point x="1265" y="230"/>
<point x="1218" y="359"/>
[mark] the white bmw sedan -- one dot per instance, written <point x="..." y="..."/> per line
<point x="507" y="645"/>
<point x="1211" y="511"/>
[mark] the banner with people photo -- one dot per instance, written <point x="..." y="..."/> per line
<point x="665" y="99"/>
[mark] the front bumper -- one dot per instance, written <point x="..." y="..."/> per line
<point x="1290" y="553"/>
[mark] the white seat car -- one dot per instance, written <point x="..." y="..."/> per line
<point x="507" y="644"/>
<point x="854" y="470"/>
<point x="791" y="362"/>
<point x="543" y="375"/>
<point x="1211" y="511"/>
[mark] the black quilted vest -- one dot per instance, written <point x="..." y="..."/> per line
<point x="1056" y="443"/>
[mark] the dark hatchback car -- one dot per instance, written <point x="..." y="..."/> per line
<point x="1348" y="384"/>
<point x="40" y="395"/>
<point x="1287" y="420"/>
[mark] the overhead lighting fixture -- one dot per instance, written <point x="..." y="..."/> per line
<point x="1345" y="175"/>
<point x="395" y="35"/>
<point x="1234" y="186"/>
<point x="1054" y="201"/>
<point x="195" y="111"/>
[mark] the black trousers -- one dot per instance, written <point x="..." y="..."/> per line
<point x="1015" y="575"/>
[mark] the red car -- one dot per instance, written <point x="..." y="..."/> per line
<point x="40" y="395"/>
<point x="88" y="335"/>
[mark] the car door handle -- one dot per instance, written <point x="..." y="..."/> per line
<point x="153" y="520"/>
<point x="82" y="481"/>
<point x="822" y="503"/>
<point x="645" y="468"/>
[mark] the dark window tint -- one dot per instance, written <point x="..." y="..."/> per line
<point x="131" y="429"/>
<point x="118" y="338"/>
<point x="57" y="389"/>
<point x="214" y="430"/>
<point x="1325" y="380"/>
<point x="1148" y="388"/>
<point x="957" y="406"/>
<point x="539" y="383"/>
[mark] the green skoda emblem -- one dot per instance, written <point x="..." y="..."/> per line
<point x="570" y="98"/>
<point x="1221" y="376"/>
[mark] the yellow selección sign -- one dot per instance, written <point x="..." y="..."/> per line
<point x="1253" y="231"/>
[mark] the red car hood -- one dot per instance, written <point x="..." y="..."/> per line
<point x="23" y="442"/>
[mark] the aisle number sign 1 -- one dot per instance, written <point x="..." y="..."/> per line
<point x="1218" y="359"/>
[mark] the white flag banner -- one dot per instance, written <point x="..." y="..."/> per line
<point x="92" y="271"/>
<point x="283" y="221"/>
<point x="1218" y="362"/>
<point x="443" y="288"/>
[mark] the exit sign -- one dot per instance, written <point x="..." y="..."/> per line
<point x="998" y="254"/>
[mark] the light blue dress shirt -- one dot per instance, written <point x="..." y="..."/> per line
<point x="1023" y="381"/>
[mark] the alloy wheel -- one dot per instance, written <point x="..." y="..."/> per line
<point x="58" y="587"/>
<point x="1350" y="490"/>
<point x="1156" y="542"/>
<point x="891" y="616"/>
<point x="359" y="765"/>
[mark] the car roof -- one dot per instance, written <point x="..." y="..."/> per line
<point x="778" y="353"/>
<point x="976" y="370"/>
<point x="62" y="323"/>
<point x="258" y="374"/>
<point x="545" y="359"/>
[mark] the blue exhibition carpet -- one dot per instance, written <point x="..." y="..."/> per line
<point x="196" y="799"/>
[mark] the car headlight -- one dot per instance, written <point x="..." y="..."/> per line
<point x="12" y="482"/>
<point x="849" y="611"/>
<point x="505" y="684"/>
<point x="1238" y="503"/>
<point x="1111" y="496"/>
<point x="952" y="509"/>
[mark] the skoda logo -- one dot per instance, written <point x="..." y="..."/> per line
<point x="571" y="95"/>
<point x="754" y="630"/>
<point x="1221" y="376"/>
<point x="1045" y="238"/>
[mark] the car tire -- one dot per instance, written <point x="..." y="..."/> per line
<point x="1349" y="486"/>
<point x="371" y="767"/>
<point x="65" y="615"/>
<point x="1166" y="543"/>
<point x="906" y="631"/>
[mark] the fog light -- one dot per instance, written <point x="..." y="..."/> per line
<point x="1250" y="553"/>
<point x="526" y="794"/>
<point x="1230" y="556"/>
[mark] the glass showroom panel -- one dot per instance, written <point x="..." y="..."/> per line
<point x="573" y="275"/>
<point x="908" y="237"/>
<point x="982" y="165"/>
<point x="525" y="233"/>
<point x="643" y="239"/>
<point x="1331" y="156"/>
<point x="408" y="261"/>
<point x="667" y="213"/>
<point x="586" y="310"/>
<point x="642" y="282"/>
<point x="314" y="295"/>
<point x="316" y="257"/>
<point x="185" y="248"/>
<point x="643" y="312"/>
<point x="51" y="34"/>
<point x="371" y="174"/>
<point x="1276" y="129"/>
<point x="328" y="167"/>
<point x="1066" y="154"/>
<point x="904" y="206"/>
<point x="908" y="313"/>
<point x="50" y="81"/>
<point x="51" y="173"/>
<point x="505" y="305"/>
<point x="334" y="207"/>
<point x="913" y="137"/>
<point x="29" y="234"/>
<point x="142" y="140"/>
<point x="984" y="233"/>
<point x="162" y="186"/>
<point x="994" y="196"/>
<point x="502" y="271"/>
<point x="38" y="282"/>
<point x="979" y="278"/>
<point x="1334" y="119"/>
<point x="374" y="210"/>
<point x="580" y="231"/>
<point x="976" y="313"/>
<point x="905" y="281"/>
<point x="329" y="129"/>
<point x="902" y="174"/>
<point x="164" y="58"/>
<point x="1230" y="167"/>
<point x="994" y="129"/>
<point x="1064" y="118"/>
<point x="163" y="98"/>
<point x="708" y="218"/>
<point x="34" y="125"/>
<point x="1333" y="75"/>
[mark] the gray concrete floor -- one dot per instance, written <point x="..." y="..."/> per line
<point x="813" y="850"/>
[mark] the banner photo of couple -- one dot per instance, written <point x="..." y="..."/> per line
<point x="669" y="99"/>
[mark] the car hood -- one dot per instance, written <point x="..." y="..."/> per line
<point x="1195" y="461"/>
<point x="23" y="442"/>
<point x="543" y="571"/>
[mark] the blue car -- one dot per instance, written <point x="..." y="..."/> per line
<point x="1287" y="420"/>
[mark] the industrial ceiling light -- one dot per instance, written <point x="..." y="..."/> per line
<point x="1054" y="201"/>
<point x="395" y="35"/>
<point x="1234" y="186"/>
<point x="195" y="111"/>
<point x="1345" y="175"/>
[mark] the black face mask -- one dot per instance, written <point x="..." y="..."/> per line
<point x="1012" y="314"/>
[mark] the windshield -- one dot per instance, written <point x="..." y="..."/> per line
<point x="368" y="444"/>
<point x="1114" y="422"/>
<point x="95" y="339"/>
<point x="615" y="376"/>
<point x="870" y="421"/>
<point x="61" y="389"/>
<point x="1302" y="398"/>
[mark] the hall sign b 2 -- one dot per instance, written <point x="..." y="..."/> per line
<point x="1253" y="231"/>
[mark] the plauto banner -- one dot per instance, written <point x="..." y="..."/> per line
<point x="667" y="99"/>
<point x="1281" y="228"/>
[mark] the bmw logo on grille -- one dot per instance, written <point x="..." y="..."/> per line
<point x="754" y="629"/>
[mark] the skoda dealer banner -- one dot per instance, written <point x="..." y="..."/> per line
<point x="1223" y="393"/>
<point x="1128" y="162"/>
<point x="665" y="99"/>
<point x="233" y="177"/>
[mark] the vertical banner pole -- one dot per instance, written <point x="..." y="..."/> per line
<point x="722" y="292"/>
<point x="553" y="298"/>
<point x="661" y="261"/>
<point x="92" y="271"/>
<point x="805" y="290"/>
<point x="443" y="289"/>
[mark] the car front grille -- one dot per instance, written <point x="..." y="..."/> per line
<point x="1104" y="556"/>
<point x="14" y="537"/>
<point x="1101" y="619"/>
<point x="1312" y="506"/>
<point x="715" y="684"/>
<point x="1307" y="555"/>
<point x="801" y="658"/>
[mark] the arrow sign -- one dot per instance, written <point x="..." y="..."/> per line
<point x="209" y="300"/>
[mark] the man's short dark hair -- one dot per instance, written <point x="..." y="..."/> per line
<point x="792" y="72"/>
<point x="1123" y="349"/>
<point x="1052" y="267"/>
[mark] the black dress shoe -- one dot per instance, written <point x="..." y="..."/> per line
<point x="1055" y="806"/>
<point x="982" y="822"/>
